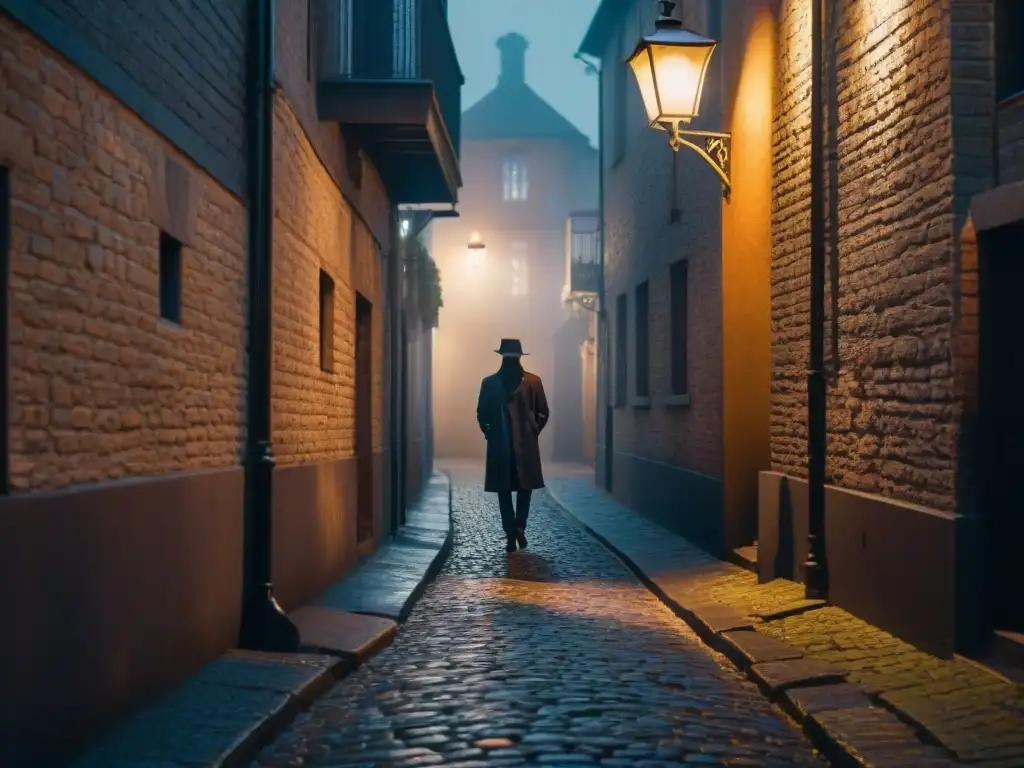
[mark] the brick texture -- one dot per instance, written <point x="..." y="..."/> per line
<point x="640" y="244"/>
<point x="1011" y="140"/>
<point x="101" y="388"/>
<point x="892" y="407"/>
<point x="189" y="56"/>
<point x="314" y="410"/>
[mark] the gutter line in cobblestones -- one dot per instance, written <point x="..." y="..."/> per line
<point x="834" y="735"/>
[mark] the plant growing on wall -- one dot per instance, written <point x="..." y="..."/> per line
<point x="428" y="282"/>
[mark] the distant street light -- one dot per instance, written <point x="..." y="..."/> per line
<point x="670" y="66"/>
<point x="476" y="251"/>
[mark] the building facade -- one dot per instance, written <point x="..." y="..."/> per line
<point x="526" y="168"/>
<point x="131" y="180"/>
<point x="922" y="106"/>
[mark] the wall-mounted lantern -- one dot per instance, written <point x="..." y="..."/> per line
<point x="670" y="66"/>
<point x="476" y="251"/>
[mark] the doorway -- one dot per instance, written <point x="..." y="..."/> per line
<point x="403" y="425"/>
<point x="364" y="420"/>
<point x="1001" y="424"/>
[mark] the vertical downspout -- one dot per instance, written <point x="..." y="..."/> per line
<point x="264" y="625"/>
<point x="397" y="254"/>
<point x="816" y="568"/>
<point x="603" y="326"/>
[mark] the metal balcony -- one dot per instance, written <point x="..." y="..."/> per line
<point x="389" y="75"/>
<point x="583" y="253"/>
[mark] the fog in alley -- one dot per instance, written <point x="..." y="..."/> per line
<point x="529" y="163"/>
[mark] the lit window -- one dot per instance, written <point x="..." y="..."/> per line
<point x="515" y="184"/>
<point x="520" y="270"/>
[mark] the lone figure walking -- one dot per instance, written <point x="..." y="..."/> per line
<point x="511" y="411"/>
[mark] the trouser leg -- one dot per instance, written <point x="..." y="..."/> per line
<point x="508" y="515"/>
<point x="523" y="508"/>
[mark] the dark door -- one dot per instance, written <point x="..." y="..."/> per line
<point x="403" y="425"/>
<point x="1001" y="412"/>
<point x="364" y="420"/>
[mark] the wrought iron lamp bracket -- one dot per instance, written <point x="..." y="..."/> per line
<point x="714" y="147"/>
<point x="586" y="301"/>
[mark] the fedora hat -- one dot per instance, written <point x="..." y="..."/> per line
<point x="510" y="348"/>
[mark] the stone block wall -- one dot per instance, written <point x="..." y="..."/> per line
<point x="893" y="252"/>
<point x="101" y="387"/>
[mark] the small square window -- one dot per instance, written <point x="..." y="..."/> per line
<point x="621" y="350"/>
<point x="326" y="322"/>
<point x="170" y="278"/>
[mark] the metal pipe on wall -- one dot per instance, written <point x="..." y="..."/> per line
<point x="265" y="626"/>
<point x="816" y="578"/>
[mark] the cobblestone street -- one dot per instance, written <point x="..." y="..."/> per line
<point x="555" y="655"/>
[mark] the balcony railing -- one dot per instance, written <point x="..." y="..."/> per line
<point x="583" y="253"/>
<point x="389" y="40"/>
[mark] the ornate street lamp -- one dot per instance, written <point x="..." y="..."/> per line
<point x="670" y="66"/>
<point x="476" y="251"/>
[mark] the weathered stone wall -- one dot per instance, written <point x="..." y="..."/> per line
<point x="101" y="387"/>
<point x="892" y="406"/>
<point x="314" y="410"/>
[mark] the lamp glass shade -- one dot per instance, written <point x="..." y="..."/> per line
<point x="669" y="67"/>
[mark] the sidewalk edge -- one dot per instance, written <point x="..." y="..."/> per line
<point x="833" y="745"/>
<point x="273" y="726"/>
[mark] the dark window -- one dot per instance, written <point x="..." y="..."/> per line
<point x="643" y="360"/>
<point x="1009" y="48"/>
<point x="326" y="322"/>
<point x="170" y="278"/>
<point x="621" y="365"/>
<point x="678" y="288"/>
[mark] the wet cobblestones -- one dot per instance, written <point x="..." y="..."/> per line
<point x="552" y="656"/>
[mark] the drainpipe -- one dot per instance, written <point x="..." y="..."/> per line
<point x="603" y="335"/>
<point x="816" y="579"/>
<point x="264" y="624"/>
<point x="394" y="300"/>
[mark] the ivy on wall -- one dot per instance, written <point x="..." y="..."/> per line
<point x="427" y="281"/>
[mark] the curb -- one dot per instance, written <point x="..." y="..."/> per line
<point x="148" y="735"/>
<point x="821" y="729"/>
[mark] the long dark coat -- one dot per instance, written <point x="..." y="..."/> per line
<point x="512" y="425"/>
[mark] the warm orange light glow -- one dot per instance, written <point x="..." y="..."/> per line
<point x="476" y="251"/>
<point x="669" y="67"/>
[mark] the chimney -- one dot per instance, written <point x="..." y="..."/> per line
<point x="513" y="59"/>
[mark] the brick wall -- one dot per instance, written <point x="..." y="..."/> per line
<point x="190" y="57"/>
<point x="640" y="244"/>
<point x="1011" y="140"/>
<point x="101" y="388"/>
<point x="342" y="159"/>
<point x="314" y="410"/>
<point x="892" y="407"/>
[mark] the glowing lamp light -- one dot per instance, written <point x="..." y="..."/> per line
<point x="669" y="67"/>
<point x="476" y="251"/>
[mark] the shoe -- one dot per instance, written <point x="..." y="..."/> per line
<point x="521" y="538"/>
<point x="511" y="545"/>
